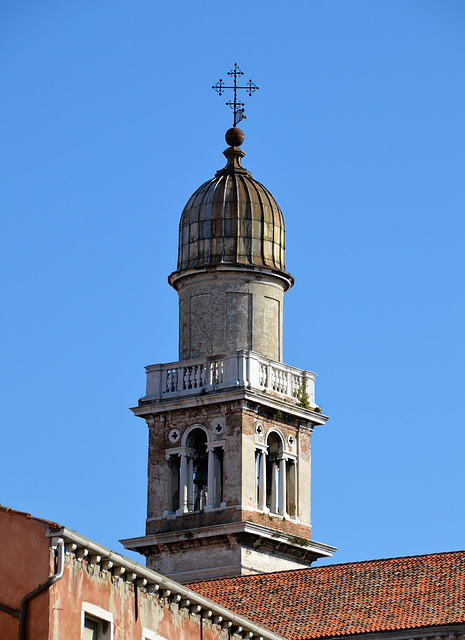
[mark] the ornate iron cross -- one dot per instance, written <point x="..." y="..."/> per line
<point x="236" y="105"/>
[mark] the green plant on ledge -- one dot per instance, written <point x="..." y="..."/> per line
<point x="303" y="542"/>
<point x="304" y="400"/>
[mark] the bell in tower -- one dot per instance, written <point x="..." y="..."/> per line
<point x="229" y="424"/>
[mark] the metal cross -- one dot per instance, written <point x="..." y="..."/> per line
<point x="236" y="105"/>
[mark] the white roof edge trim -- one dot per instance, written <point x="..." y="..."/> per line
<point x="156" y="578"/>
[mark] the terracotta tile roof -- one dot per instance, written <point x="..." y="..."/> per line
<point x="24" y="514"/>
<point x="346" y="599"/>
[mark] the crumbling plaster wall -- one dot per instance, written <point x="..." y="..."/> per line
<point x="86" y="583"/>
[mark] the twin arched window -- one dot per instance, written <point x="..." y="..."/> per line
<point x="195" y="474"/>
<point x="276" y="477"/>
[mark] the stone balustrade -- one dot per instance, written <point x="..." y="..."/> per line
<point x="238" y="370"/>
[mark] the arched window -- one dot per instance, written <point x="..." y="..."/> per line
<point x="276" y="477"/>
<point x="275" y="499"/>
<point x="195" y="473"/>
<point x="197" y="470"/>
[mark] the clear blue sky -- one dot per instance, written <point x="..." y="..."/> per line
<point x="109" y="123"/>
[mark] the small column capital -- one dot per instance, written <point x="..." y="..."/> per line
<point x="291" y="457"/>
<point x="215" y="444"/>
<point x="180" y="451"/>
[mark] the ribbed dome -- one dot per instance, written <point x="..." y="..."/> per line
<point x="233" y="220"/>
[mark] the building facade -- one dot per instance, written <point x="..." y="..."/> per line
<point x="56" y="584"/>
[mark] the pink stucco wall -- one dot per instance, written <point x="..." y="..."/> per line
<point x="83" y="583"/>
<point x="24" y="564"/>
<point x="27" y="561"/>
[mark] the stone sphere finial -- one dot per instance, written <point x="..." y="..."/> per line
<point x="234" y="137"/>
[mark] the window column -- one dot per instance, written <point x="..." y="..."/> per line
<point x="211" y="478"/>
<point x="170" y="486"/>
<point x="190" y="483"/>
<point x="262" y="480"/>
<point x="215" y="475"/>
<point x="292" y="488"/>
<point x="282" y="486"/>
<point x="183" y="484"/>
<point x="274" y="486"/>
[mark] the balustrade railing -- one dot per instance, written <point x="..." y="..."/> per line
<point x="195" y="376"/>
<point x="245" y="369"/>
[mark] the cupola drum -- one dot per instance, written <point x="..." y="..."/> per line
<point x="231" y="274"/>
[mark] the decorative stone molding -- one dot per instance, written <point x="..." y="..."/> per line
<point x="191" y="428"/>
<point x="154" y="583"/>
<point x="174" y="435"/>
<point x="217" y="426"/>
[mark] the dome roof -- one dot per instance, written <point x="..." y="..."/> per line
<point x="232" y="220"/>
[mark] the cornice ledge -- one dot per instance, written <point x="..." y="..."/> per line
<point x="235" y="528"/>
<point x="228" y="395"/>
<point x="76" y="541"/>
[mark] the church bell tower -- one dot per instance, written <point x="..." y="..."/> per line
<point x="229" y="424"/>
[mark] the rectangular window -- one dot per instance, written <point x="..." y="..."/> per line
<point x="97" y="623"/>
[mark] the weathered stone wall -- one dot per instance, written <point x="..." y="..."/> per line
<point x="225" y="558"/>
<point x="186" y="522"/>
<point x="209" y="542"/>
<point x="265" y="560"/>
<point x="244" y="425"/>
<point x="230" y="311"/>
<point x="190" y="562"/>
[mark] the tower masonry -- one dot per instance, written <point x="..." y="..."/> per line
<point x="230" y="425"/>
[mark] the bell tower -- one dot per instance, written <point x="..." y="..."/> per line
<point x="229" y="424"/>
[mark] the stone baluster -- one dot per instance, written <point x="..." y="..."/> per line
<point x="288" y="390"/>
<point x="269" y="382"/>
<point x="185" y="378"/>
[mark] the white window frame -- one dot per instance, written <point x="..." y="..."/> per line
<point x="148" y="634"/>
<point x="94" y="611"/>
